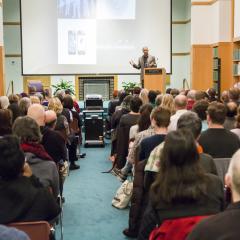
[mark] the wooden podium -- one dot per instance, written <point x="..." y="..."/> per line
<point x="155" y="79"/>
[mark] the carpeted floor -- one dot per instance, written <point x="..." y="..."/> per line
<point x="88" y="214"/>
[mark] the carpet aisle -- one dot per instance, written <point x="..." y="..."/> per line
<point x="88" y="214"/>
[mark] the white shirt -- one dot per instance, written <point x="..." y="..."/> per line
<point x="174" y="119"/>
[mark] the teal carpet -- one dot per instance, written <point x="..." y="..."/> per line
<point x="87" y="212"/>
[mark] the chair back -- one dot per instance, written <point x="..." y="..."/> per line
<point x="222" y="167"/>
<point x="175" y="229"/>
<point x="35" y="230"/>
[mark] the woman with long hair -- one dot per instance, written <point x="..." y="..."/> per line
<point x="168" y="102"/>
<point x="182" y="189"/>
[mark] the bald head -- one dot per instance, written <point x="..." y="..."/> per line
<point x="231" y="109"/>
<point x="180" y="102"/>
<point x="50" y="117"/>
<point x="37" y="112"/>
<point x="232" y="178"/>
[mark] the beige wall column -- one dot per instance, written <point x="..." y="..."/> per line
<point x="2" y="82"/>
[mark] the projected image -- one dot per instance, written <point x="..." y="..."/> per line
<point x="77" y="9"/>
<point x="116" y="9"/>
<point x="76" y="41"/>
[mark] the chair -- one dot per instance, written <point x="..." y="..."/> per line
<point x="175" y="229"/>
<point x="35" y="87"/>
<point x="222" y="167"/>
<point x="35" y="230"/>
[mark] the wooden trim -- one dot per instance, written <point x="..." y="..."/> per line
<point x="181" y="22"/>
<point x="13" y="55"/>
<point x="204" y="3"/>
<point x="77" y="87"/>
<point x="2" y="75"/>
<point x="11" y="23"/>
<point x="232" y="19"/>
<point x="201" y="45"/>
<point x="181" y="54"/>
<point x="115" y="82"/>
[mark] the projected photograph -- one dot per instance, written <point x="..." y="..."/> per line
<point x="116" y="9"/>
<point x="77" y="9"/>
<point x="76" y="41"/>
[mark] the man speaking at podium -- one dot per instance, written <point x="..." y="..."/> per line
<point x="145" y="61"/>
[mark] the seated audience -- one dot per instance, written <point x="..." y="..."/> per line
<point x="4" y="102"/>
<point x="217" y="141"/>
<point x="201" y="95"/>
<point x="113" y="103"/>
<point x="180" y="103"/>
<point x="191" y="99"/>
<point x="230" y="120"/>
<point x="22" y="197"/>
<point x="212" y="95"/>
<point x="168" y="102"/>
<point x="13" y="106"/>
<point x="174" y="92"/>
<point x="10" y="233"/>
<point x="224" y="97"/>
<point x="224" y="225"/>
<point x="144" y="96"/>
<point x="158" y="100"/>
<point x="160" y="119"/>
<point x="5" y="122"/>
<point x="35" y="99"/>
<point x="39" y="160"/>
<point x="152" y="97"/>
<point x="233" y="95"/>
<point x="24" y="103"/>
<point x="37" y="112"/>
<point x="182" y="189"/>
<point x="200" y="107"/>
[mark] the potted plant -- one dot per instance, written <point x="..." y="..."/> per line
<point x="64" y="85"/>
<point x="129" y="87"/>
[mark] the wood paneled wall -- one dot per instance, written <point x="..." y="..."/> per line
<point x="202" y="65"/>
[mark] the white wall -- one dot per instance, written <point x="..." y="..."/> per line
<point x="237" y="19"/>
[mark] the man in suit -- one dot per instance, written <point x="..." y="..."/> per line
<point x="145" y="61"/>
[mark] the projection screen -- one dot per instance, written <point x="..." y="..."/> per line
<point x="93" y="36"/>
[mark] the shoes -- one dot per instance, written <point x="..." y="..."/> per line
<point x="74" y="166"/>
<point x="130" y="233"/>
<point x="82" y="155"/>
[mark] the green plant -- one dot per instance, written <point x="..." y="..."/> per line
<point x="128" y="87"/>
<point x="64" y="85"/>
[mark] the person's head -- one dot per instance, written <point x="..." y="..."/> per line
<point x="231" y="109"/>
<point x="200" y="107"/>
<point x="180" y="102"/>
<point x="232" y="178"/>
<point x="233" y="94"/>
<point x="136" y="90"/>
<point x="152" y="96"/>
<point x="24" y="104"/>
<point x="160" y="117"/>
<point x="27" y="130"/>
<point x="168" y="102"/>
<point x="158" y="100"/>
<point x="60" y="94"/>
<point x="12" y="158"/>
<point x="115" y="94"/>
<point x="55" y="105"/>
<point x="4" y="102"/>
<point x="35" y="100"/>
<point x="237" y="123"/>
<point x="216" y="113"/>
<point x="135" y="104"/>
<point x="5" y="122"/>
<point x="174" y="92"/>
<point x="68" y="102"/>
<point x="40" y="96"/>
<point x="192" y="122"/>
<point x="50" y="118"/>
<point x="144" y="96"/>
<point x="144" y="119"/>
<point x="126" y="102"/>
<point x="212" y="94"/>
<point x="37" y="112"/>
<point x="168" y="90"/>
<point x="13" y="98"/>
<point x="145" y="51"/>
<point x="121" y="95"/>
<point x="180" y="178"/>
<point x="191" y="94"/>
<point x="200" y="95"/>
<point x="225" y="97"/>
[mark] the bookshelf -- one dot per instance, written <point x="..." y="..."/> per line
<point x="236" y="61"/>
<point x="216" y="70"/>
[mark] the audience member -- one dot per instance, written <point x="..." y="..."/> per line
<point x="200" y="107"/>
<point x="37" y="112"/>
<point x="24" y="104"/>
<point x="174" y="92"/>
<point x="182" y="189"/>
<point x="13" y="106"/>
<point x="201" y="95"/>
<point x="168" y="102"/>
<point x="224" y="97"/>
<point x="212" y="95"/>
<point x="180" y="103"/>
<point x="158" y="101"/>
<point x="4" y="102"/>
<point x="152" y="97"/>
<point x="230" y="120"/>
<point x="35" y="99"/>
<point x="5" y="122"/>
<point x="233" y="95"/>
<point x="10" y="233"/>
<point x="144" y="96"/>
<point x="191" y="99"/>
<point x="236" y="129"/>
<point x="217" y="141"/>
<point x="22" y="197"/>
<point x="224" y="225"/>
<point x="39" y="160"/>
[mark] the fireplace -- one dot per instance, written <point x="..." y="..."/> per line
<point x="103" y="85"/>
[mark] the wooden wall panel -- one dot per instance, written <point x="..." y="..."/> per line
<point x="202" y="64"/>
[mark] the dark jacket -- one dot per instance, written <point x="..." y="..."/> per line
<point x="222" y="226"/>
<point x="208" y="204"/>
<point x="24" y="199"/>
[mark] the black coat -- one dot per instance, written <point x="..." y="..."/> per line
<point x="24" y="199"/>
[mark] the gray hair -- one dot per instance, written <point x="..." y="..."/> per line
<point x="27" y="129"/>
<point x="24" y="104"/>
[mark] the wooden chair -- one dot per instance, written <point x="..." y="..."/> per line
<point x="35" y="230"/>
